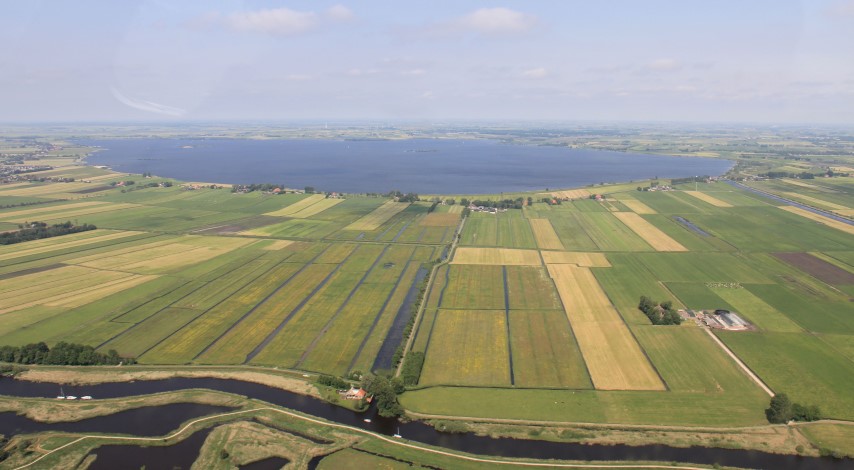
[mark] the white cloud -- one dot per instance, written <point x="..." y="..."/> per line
<point x="339" y="13"/>
<point x="496" y="21"/>
<point x="277" y="21"/>
<point x="664" y="64"/>
<point x="539" y="72"/>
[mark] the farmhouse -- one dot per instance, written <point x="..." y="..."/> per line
<point x="355" y="394"/>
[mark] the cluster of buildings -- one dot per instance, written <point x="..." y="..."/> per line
<point x="719" y="319"/>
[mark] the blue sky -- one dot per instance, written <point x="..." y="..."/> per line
<point x="742" y="61"/>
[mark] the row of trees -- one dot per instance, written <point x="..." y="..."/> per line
<point x="37" y="230"/>
<point x="62" y="354"/>
<point x="401" y="197"/>
<point x="659" y="313"/>
<point x="502" y="204"/>
<point x="782" y="410"/>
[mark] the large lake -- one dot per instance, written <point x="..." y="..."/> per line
<point x="425" y="166"/>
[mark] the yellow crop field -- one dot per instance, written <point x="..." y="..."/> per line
<point x="613" y="357"/>
<point x="585" y="260"/>
<point x="90" y="295"/>
<point x="440" y="219"/>
<point x="63" y="214"/>
<point x="570" y="194"/>
<point x="820" y="219"/>
<point x="458" y="209"/>
<point x="545" y="234"/>
<point x="162" y="256"/>
<point x="297" y="206"/>
<point x="468" y="347"/>
<point x="799" y="183"/>
<point x="45" y="189"/>
<point x="40" y="210"/>
<point x="652" y="235"/>
<point x="708" y="198"/>
<point x="278" y="245"/>
<point x="638" y="207"/>
<point x="496" y="256"/>
<point x="67" y="241"/>
<point x="64" y="283"/>
<point x="816" y="201"/>
<point x="378" y="217"/>
<point x="316" y="208"/>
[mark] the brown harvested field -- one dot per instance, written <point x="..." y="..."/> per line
<point x="587" y="260"/>
<point x="545" y="234"/>
<point x="378" y="217"/>
<point x="638" y="207"/>
<point x="820" y="219"/>
<point x="817" y="268"/>
<point x="440" y="219"/>
<point x="614" y="358"/>
<point x="570" y="194"/>
<point x="496" y="256"/>
<point x="650" y="233"/>
<point x="708" y="198"/>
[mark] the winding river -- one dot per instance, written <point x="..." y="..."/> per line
<point x="414" y="431"/>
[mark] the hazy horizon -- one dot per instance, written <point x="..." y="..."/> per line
<point x="662" y="62"/>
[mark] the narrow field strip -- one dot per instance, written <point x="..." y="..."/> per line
<point x="45" y="189"/>
<point x="440" y="219"/>
<point x="650" y="233"/>
<point x="585" y="260"/>
<point x="379" y="216"/>
<point x="638" y="207"/>
<point x="807" y="185"/>
<point x="614" y="358"/>
<point x="819" y="202"/>
<point x="496" y="256"/>
<point x="63" y="215"/>
<point x="544" y="232"/>
<point x="570" y="194"/>
<point x="40" y="210"/>
<point x="297" y="206"/>
<point x="60" y="243"/>
<point x="708" y="198"/>
<point x="104" y="290"/>
<point x="820" y="219"/>
<point x="316" y="208"/>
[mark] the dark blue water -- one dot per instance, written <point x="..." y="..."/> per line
<point x="423" y="166"/>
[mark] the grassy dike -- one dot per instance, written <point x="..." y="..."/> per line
<point x="256" y="430"/>
<point x="253" y="431"/>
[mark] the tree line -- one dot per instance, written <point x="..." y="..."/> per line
<point x="37" y="230"/>
<point x="62" y="354"/>
<point x="659" y="313"/>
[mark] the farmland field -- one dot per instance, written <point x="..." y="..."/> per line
<point x="534" y="315"/>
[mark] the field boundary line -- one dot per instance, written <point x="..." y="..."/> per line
<point x="741" y="364"/>
<point x="386" y="439"/>
<point x="428" y="288"/>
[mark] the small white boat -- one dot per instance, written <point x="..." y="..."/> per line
<point x="61" y="395"/>
<point x="397" y="434"/>
<point x="87" y="397"/>
<point x="367" y="420"/>
<point x="70" y="397"/>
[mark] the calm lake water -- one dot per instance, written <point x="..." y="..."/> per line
<point x="419" y="165"/>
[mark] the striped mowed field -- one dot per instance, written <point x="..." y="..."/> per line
<point x="586" y="260"/>
<point x="638" y="207"/>
<point x="820" y="219"/>
<point x="544" y="232"/>
<point x="708" y="198"/>
<point x="613" y="356"/>
<point x="650" y="233"/>
<point x="379" y="216"/>
<point x="496" y="256"/>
